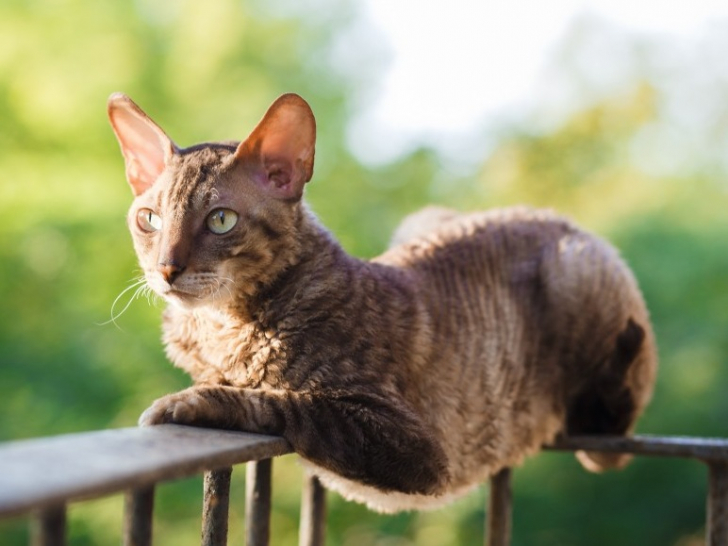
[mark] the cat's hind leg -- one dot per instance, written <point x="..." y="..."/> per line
<point x="611" y="402"/>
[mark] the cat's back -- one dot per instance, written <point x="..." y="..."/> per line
<point x="529" y="264"/>
<point x="438" y="237"/>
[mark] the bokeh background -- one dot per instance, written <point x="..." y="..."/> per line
<point x="625" y="131"/>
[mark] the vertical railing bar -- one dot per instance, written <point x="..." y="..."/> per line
<point x="717" y="516"/>
<point x="49" y="527"/>
<point x="257" y="502"/>
<point x="216" y="502"/>
<point x="499" y="509"/>
<point x="312" y="530"/>
<point x="138" y="513"/>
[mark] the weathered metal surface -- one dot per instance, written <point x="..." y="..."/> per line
<point x="712" y="451"/>
<point x="49" y="528"/>
<point x="312" y="529"/>
<point x="49" y="471"/>
<point x="499" y="510"/>
<point x="705" y="449"/>
<point x="257" y="502"/>
<point x="216" y="502"/>
<point x="138" y="514"/>
<point x="93" y="464"/>
<point x="717" y="517"/>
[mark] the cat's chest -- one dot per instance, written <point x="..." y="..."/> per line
<point x="214" y="348"/>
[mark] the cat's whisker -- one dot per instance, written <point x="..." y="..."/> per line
<point x="215" y="292"/>
<point x="222" y="282"/>
<point x="138" y="285"/>
<point x="151" y="296"/>
<point x="212" y="289"/>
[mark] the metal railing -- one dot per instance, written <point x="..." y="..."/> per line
<point x="711" y="451"/>
<point x="40" y="477"/>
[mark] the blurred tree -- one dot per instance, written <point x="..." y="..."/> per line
<point x="208" y="71"/>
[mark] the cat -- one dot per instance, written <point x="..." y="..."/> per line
<point x="404" y="381"/>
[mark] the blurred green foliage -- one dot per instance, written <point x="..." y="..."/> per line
<point x="207" y="71"/>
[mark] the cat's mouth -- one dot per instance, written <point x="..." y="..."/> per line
<point x="182" y="298"/>
<point x="177" y="293"/>
<point x="172" y="292"/>
<point x="190" y="292"/>
<point x="187" y="298"/>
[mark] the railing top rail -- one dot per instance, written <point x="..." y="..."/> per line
<point x="43" y="472"/>
<point x="46" y="471"/>
<point x="708" y="450"/>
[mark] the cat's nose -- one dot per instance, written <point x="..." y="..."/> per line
<point x="170" y="271"/>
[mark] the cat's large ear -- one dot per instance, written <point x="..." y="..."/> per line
<point x="144" y="145"/>
<point x="281" y="147"/>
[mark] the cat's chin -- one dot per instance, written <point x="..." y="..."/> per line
<point x="188" y="302"/>
<point x="183" y="300"/>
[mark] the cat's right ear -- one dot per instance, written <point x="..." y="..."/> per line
<point x="144" y="145"/>
<point x="281" y="147"/>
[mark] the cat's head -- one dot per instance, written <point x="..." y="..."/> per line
<point x="215" y="221"/>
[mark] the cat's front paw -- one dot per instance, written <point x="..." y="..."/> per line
<point x="183" y="408"/>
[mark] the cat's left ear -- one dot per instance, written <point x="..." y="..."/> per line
<point x="281" y="147"/>
<point x="145" y="146"/>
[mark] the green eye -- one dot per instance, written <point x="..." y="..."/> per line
<point x="222" y="220"/>
<point x="148" y="220"/>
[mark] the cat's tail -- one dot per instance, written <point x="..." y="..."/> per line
<point x="611" y="405"/>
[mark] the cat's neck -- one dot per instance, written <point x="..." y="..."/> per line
<point x="319" y="267"/>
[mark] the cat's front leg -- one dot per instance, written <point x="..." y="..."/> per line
<point x="216" y="407"/>
<point x="365" y="437"/>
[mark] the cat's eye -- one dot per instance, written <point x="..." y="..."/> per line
<point x="221" y="221"/>
<point x="148" y="220"/>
